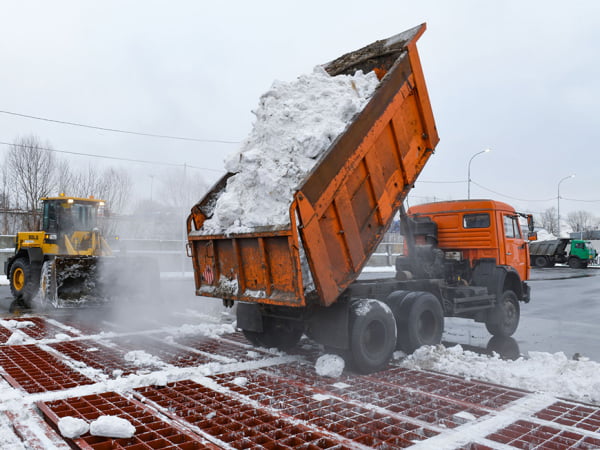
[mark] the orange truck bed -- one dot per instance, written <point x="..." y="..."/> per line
<point x="345" y="204"/>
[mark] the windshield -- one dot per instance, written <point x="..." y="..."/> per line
<point x="65" y="217"/>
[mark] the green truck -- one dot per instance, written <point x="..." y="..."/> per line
<point x="548" y="253"/>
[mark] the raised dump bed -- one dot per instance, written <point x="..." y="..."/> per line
<point x="341" y="210"/>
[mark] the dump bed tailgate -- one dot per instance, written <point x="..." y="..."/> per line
<point x="341" y="211"/>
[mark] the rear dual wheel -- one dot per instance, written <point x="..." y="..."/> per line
<point x="419" y="318"/>
<point x="372" y="335"/>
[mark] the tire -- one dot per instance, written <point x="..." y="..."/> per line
<point x="280" y="333"/>
<point x="372" y="335"/>
<point x="420" y="321"/>
<point x="575" y="263"/>
<point x="24" y="280"/>
<point x="504" y="318"/>
<point x="541" y="261"/>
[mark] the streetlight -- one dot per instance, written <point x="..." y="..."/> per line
<point x="558" y="200"/>
<point x="469" y="171"/>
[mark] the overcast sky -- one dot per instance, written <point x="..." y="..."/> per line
<point x="519" y="77"/>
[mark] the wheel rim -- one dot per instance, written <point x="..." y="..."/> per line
<point x="511" y="313"/>
<point x="374" y="337"/>
<point x="426" y="326"/>
<point x="19" y="278"/>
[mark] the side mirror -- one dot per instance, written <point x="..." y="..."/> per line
<point x="532" y="236"/>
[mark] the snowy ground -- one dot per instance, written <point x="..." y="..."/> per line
<point x="123" y="357"/>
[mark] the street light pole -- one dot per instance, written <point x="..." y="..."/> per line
<point x="558" y="200"/>
<point x="469" y="171"/>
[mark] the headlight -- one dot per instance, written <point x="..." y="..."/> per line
<point x="51" y="237"/>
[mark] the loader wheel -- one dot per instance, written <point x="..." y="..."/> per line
<point x="24" y="280"/>
<point x="280" y="333"/>
<point x="420" y="321"/>
<point x="372" y="335"/>
<point x="504" y="318"/>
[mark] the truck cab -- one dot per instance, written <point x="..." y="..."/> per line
<point x="471" y="230"/>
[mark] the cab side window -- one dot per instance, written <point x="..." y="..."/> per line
<point x="481" y="220"/>
<point x="511" y="227"/>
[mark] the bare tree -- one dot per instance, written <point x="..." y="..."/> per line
<point x="31" y="175"/>
<point x="549" y="220"/>
<point x="581" y="222"/>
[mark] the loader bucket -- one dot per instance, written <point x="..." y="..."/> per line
<point x="75" y="281"/>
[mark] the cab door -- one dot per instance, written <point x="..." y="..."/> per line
<point x="515" y="247"/>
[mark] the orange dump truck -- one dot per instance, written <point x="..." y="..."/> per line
<point x="302" y="279"/>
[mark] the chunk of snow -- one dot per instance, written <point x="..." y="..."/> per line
<point x="141" y="358"/>
<point x="72" y="427"/>
<point x="112" y="426"/>
<point x="17" y="338"/>
<point x="465" y="415"/>
<point x="62" y="336"/>
<point x="321" y="397"/>
<point x="4" y="280"/>
<point x="330" y="366"/>
<point x="240" y="381"/>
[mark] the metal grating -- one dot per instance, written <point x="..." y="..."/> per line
<point x="221" y="347"/>
<point x="451" y="387"/>
<point x="150" y="430"/>
<point x="169" y="354"/>
<point x="232" y="422"/>
<point x="578" y="416"/>
<point x="92" y="353"/>
<point x="349" y="420"/>
<point x="42" y="329"/>
<point x="35" y="370"/>
<point x="528" y="435"/>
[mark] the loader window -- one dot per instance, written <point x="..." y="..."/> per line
<point x="481" y="220"/>
<point x="49" y="224"/>
<point x="77" y="217"/>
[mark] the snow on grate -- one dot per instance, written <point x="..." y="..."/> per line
<point x="34" y="370"/>
<point x="232" y="422"/>
<point x="528" y="435"/>
<point x="150" y="430"/>
<point x="573" y="415"/>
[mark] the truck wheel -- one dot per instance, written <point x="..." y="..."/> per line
<point x="574" y="263"/>
<point x="372" y="335"/>
<point x="420" y="321"/>
<point x="541" y="261"/>
<point x="24" y="280"/>
<point x="504" y="318"/>
<point x="280" y="333"/>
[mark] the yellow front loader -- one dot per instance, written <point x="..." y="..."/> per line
<point x="69" y="263"/>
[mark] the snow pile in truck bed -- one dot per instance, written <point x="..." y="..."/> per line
<point x="296" y="122"/>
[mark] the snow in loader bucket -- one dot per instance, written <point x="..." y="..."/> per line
<point x="75" y="281"/>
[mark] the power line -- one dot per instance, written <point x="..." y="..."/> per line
<point x="116" y="130"/>
<point x="117" y="158"/>
<point x="513" y="198"/>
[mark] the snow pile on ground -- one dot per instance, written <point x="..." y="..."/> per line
<point x="541" y="372"/>
<point x="4" y="280"/>
<point x="295" y="123"/>
<point x="330" y="366"/>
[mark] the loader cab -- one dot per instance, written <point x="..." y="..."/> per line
<point x="69" y="217"/>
